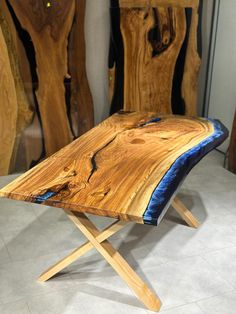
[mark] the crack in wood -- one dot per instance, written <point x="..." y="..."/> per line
<point x="93" y="158"/>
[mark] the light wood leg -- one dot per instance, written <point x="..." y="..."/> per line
<point x="186" y="215"/>
<point x="70" y="258"/>
<point x="118" y="263"/>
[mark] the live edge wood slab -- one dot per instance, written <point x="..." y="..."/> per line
<point x="129" y="167"/>
<point x="114" y="169"/>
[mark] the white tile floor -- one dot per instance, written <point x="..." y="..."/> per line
<point x="193" y="271"/>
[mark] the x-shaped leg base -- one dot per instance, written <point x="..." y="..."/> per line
<point x="98" y="239"/>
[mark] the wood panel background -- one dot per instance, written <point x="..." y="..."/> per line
<point x="155" y="54"/>
<point x="43" y="42"/>
<point x="154" y="63"/>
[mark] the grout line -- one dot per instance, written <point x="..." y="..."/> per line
<point x="218" y="250"/>
<point x="199" y="254"/>
<point x="8" y="253"/>
<point x="215" y="296"/>
<point x="28" y="307"/>
<point x="179" y="306"/>
<point x="218" y="273"/>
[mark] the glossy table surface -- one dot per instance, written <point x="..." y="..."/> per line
<point x="128" y="167"/>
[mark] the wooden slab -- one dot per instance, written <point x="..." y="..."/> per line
<point x="189" y="87"/>
<point x="8" y="108"/>
<point x="24" y="110"/>
<point x="149" y="63"/>
<point x="48" y="24"/>
<point x="113" y="169"/>
<point x="155" y="56"/>
<point x="81" y="98"/>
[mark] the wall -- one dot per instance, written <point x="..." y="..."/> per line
<point x="223" y="88"/>
<point x="206" y="35"/>
<point x="97" y="33"/>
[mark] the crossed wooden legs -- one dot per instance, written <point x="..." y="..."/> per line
<point x="99" y="241"/>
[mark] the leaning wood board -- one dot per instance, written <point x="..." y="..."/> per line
<point x="49" y="24"/>
<point x="81" y="97"/>
<point x="8" y="108"/>
<point x="155" y="56"/>
<point x="128" y="167"/>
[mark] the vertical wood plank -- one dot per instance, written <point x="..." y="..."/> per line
<point x="81" y="98"/>
<point x="8" y="108"/>
<point x="24" y="110"/>
<point x="49" y="23"/>
<point x="161" y="61"/>
<point x="189" y="86"/>
<point x="152" y="41"/>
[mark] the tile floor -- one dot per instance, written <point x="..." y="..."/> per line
<point x="193" y="271"/>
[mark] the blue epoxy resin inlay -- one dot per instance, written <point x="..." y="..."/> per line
<point x="153" y="121"/>
<point x="178" y="171"/>
<point x="41" y="198"/>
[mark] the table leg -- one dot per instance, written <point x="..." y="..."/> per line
<point x="119" y="264"/>
<point x="186" y="215"/>
<point x="74" y="255"/>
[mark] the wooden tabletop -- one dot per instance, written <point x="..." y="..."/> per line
<point x="127" y="167"/>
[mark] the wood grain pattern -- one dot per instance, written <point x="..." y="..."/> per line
<point x="159" y="44"/>
<point x="20" y="50"/>
<point x="27" y="146"/>
<point x="24" y="110"/>
<point x="49" y="27"/>
<point x="81" y="98"/>
<point x="113" y="169"/>
<point x="232" y="148"/>
<point x="8" y="108"/>
<point x="149" y="64"/>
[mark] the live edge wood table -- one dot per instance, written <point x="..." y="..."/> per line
<point x="129" y="167"/>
